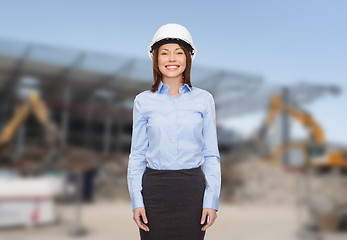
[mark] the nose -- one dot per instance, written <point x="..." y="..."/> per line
<point x="172" y="57"/>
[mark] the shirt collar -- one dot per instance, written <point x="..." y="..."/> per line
<point x="163" y="87"/>
<point x="187" y="86"/>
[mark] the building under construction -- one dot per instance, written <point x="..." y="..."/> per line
<point x="89" y="96"/>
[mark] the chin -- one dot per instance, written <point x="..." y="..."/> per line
<point x="175" y="76"/>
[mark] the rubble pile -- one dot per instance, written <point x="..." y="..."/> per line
<point x="260" y="182"/>
<point x="243" y="180"/>
<point x="256" y="181"/>
<point x="328" y="191"/>
<point x="111" y="179"/>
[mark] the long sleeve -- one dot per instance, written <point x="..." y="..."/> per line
<point x="137" y="156"/>
<point x="211" y="166"/>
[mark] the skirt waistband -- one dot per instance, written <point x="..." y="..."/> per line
<point x="151" y="170"/>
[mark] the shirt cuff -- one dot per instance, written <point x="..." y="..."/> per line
<point x="137" y="201"/>
<point x="211" y="202"/>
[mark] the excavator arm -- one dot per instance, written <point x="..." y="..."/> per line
<point x="11" y="128"/>
<point x="36" y="106"/>
<point x="313" y="148"/>
<point x="277" y="105"/>
<point x="40" y="111"/>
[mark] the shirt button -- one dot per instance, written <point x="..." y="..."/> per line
<point x="174" y="123"/>
<point x="173" y="140"/>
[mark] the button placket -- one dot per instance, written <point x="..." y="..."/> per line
<point x="174" y="140"/>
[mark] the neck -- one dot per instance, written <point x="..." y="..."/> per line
<point x="173" y="83"/>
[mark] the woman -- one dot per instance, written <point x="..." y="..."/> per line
<point x="174" y="133"/>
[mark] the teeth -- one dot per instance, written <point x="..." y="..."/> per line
<point x="171" y="67"/>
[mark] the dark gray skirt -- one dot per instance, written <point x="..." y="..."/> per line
<point x="173" y="201"/>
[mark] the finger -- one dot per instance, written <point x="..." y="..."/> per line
<point x="144" y="221"/>
<point x="203" y="217"/>
<point x="211" y="220"/>
<point x="207" y="225"/>
<point x="141" y="225"/>
<point x="144" y="217"/>
<point x="144" y="227"/>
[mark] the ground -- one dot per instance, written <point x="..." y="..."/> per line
<point x="113" y="220"/>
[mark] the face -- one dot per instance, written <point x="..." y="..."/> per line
<point x="171" y="60"/>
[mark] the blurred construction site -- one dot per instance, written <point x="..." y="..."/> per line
<point x="66" y="124"/>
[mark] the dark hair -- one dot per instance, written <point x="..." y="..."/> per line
<point x="157" y="76"/>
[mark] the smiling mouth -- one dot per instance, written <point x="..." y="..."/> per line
<point x="172" y="67"/>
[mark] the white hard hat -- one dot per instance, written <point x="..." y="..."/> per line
<point x="172" y="32"/>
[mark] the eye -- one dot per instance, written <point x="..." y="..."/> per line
<point x="180" y="52"/>
<point x="163" y="53"/>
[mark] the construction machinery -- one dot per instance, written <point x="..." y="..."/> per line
<point x="36" y="106"/>
<point x="316" y="153"/>
<point x="322" y="211"/>
<point x="30" y="200"/>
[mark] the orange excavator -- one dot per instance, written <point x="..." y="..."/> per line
<point x="36" y="106"/>
<point x="315" y="150"/>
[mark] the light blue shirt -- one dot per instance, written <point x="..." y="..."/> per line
<point x="174" y="133"/>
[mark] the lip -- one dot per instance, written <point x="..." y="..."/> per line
<point x="172" y="69"/>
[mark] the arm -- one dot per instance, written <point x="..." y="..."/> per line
<point x="137" y="156"/>
<point x="211" y="166"/>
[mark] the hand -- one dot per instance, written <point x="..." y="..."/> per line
<point x="138" y="213"/>
<point x="211" y="214"/>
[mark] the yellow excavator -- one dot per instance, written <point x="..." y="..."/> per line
<point x="36" y="106"/>
<point x="317" y="156"/>
<point x="315" y="150"/>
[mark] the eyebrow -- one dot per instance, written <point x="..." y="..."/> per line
<point x="168" y="49"/>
